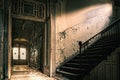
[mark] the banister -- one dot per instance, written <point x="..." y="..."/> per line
<point x="86" y="43"/>
<point x="107" y="28"/>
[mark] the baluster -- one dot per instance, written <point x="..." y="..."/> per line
<point x="117" y="27"/>
<point x="116" y="31"/>
<point x="110" y="32"/>
<point x="113" y="30"/>
<point x="107" y="33"/>
<point x="102" y="35"/>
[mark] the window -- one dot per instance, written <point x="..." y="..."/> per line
<point x="29" y="9"/>
<point x="23" y="53"/>
<point x="19" y="53"/>
<point x="15" y="53"/>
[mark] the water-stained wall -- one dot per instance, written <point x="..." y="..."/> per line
<point x="78" y="21"/>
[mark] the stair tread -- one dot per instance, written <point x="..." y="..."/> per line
<point x="68" y="73"/>
<point x="70" y="68"/>
<point x="73" y="63"/>
<point x="80" y="64"/>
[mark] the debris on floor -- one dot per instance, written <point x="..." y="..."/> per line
<point x="29" y="74"/>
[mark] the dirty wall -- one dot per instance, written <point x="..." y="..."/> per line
<point x="78" y="21"/>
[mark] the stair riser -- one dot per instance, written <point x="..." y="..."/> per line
<point x="81" y="66"/>
<point x="85" y="71"/>
<point x="100" y="48"/>
<point x="86" y="61"/>
<point x="105" y="44"/>
<point x="108" y="39"/>
<point x="91" y="57"/>
<point x="71" y="71"/>
<point x="105" y="52"/>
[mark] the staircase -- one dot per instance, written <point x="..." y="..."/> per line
<point x="93" y="51"/>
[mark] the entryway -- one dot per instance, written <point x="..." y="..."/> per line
<point x="27" y="46"/>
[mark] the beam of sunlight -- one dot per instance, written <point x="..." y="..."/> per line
<point x="65" y="21"/>
<point x="80" y="25"/>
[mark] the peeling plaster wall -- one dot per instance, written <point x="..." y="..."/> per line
<point x="78" y="21"/>
<point x="36" y="47"/>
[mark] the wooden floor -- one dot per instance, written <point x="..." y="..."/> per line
<point x="23" y="72"/>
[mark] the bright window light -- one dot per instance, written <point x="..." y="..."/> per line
<point x="15" y="53"/>
<point x="23" y="53"/>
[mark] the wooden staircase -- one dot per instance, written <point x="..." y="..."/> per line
<point x="92" y="54"/>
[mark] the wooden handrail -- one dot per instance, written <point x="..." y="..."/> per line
<point x="106" y="29"/>
<point x="86" y="43"/>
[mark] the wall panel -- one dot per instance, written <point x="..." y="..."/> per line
<point x="106" y="70"/>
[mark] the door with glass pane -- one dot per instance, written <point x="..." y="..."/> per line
<point x="19" y="56"/>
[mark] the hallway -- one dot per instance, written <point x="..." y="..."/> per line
<point x="59" y="39"/>
<point x="23" y="72"/>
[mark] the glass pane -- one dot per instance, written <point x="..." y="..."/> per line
<point x="15" y="53"/>
<point x="23" y="53"/>
<point x="28" y="8"/>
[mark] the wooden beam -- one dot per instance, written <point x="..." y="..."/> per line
<point x="32" y="18"/>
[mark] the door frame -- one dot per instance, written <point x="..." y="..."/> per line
<point x="49" y="44"/>
<point x="11" y="50"/>
<point x="9" y="43"/>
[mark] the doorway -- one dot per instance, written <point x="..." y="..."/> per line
<point x="28" y="43"/>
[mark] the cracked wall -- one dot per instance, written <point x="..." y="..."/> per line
<point x="78" y="23"/>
